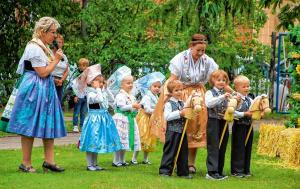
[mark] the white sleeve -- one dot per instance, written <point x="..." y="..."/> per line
<point x="168" y="114"/>
<point x="93" y="97"/>
<point x="175" y="66"/>
<point x="121" y="103"/>
<point x="238" y="114"/>
<point x="213" y="66"/>
<point x="146" y="101"/>
<point x="36" y="56"/>
<point x="211" y="101"/>
<point x="110" y="97"/>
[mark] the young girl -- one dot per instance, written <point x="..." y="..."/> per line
<point x="216" y="102"/>
<point x="174" y="115"/>
<point x="149" y="86"/>
<point x="99" y="133"/>
<point x="125" y="112"/>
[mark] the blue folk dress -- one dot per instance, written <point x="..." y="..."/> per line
<point x="99" y="133"/>
<point x="37" y="112"/>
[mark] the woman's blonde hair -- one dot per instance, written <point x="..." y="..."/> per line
<point x="43" y="25"/>
<point x="217" y="74"/>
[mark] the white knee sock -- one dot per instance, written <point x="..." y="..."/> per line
<point x="135" y="155"/>
<point x="89" y="158"/>
<point x="117" y="157"/>
<point x="122" y="156"/>
<point x="95" y="157"/>
<point x="146" y="154"/>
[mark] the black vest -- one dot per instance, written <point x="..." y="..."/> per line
<point x="219" y="108"/>
<point x="244" y="108"/>
<point x="176" y="125"/>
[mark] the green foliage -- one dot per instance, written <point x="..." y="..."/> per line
<point x="295" y="87"/>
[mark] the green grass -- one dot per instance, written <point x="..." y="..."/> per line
<point x="266" y="173"/>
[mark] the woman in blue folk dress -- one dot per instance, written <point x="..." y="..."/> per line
<point x="37" y="112"/>
<point x="99" y="133"/>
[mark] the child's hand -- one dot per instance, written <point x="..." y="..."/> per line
<point x="136" y="106"/>
<point x="248" y="114"/>
<point x="227" y="95"/>
<point x="76" y="99"/>
<point x="238" y="98"/>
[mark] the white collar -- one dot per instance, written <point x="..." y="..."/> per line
<point x="174" y="99"/>
<point x="218" y="90"/>
<point x="242" y="96"/>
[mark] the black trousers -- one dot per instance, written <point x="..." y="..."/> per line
<point x="241" y="154"/>
<point x="215" y="155"/>
<point x="169" y="154"/>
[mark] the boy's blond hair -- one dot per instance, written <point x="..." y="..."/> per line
<point x="83" y="61"/>
<point x="240" y="79"/>
<point x="173" y="84"/>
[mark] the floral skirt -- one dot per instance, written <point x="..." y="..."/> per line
<point x="122" y="124"/>
<point x="37" y="111"/>
<point x="99" y="133"/>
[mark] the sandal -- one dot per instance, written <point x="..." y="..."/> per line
<point x="192" y="169"/>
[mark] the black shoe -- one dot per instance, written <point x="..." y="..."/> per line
<point x="186" y="177"/>
<point x="134" y="162"/>
<point x="224" y="176"/>
<point x="164" y="175"/>
<point x="146" y="162"/>
<point x="25" y="169"/>
<point x="51" y="167"/>
<point x="116" y="164"/>
<point x="248" y="174"/>
<point x="238" y="175"/>
<point x="214" y="176"/>
<point x="125" y="164"/>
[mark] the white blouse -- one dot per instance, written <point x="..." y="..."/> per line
<point x="124" y="101"/>
<point x="190" y="72"/>
<point x="61" y="67"/>
<point x="103" y="97"/>
<point x="149" y="102"/>
<point x="35" y="54"/>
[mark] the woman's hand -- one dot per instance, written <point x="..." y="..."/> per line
<point x="58" y="55"/>
<point x="58" y="82"/>
<point x="76" y="99"/>
<point x="136" y="106"/>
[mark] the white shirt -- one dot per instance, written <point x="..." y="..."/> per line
<point x="190" y="72"/>
<point x="124" y="101"/>
<point x="211" y="101"/>
<point x="149" y="102"/>
<point x="168" y="114"/>
<point x="60" y="67"/>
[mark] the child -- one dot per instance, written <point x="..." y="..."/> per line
<point x="149" y="86"/>
<point x="241" y="154"/>
<point x="216" y="102"/>
<point x="99" y="133"/>
<point x="174" y="115"/>
<point x="80" y="98"/>
<point x="125" y="112"/>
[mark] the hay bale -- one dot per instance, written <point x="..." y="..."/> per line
<point x="289" y="149"/>
<point x="268" y="143"/>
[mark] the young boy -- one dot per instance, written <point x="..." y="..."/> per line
<point x="241" y="153"/>
<point x="80" y="99"/>
<point x="174" y="115"/>
<point x="216" y="102"/>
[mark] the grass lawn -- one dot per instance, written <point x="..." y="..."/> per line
<point x="266" y="173"/>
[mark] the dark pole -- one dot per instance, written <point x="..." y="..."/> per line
<point x="272" y="67"/>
